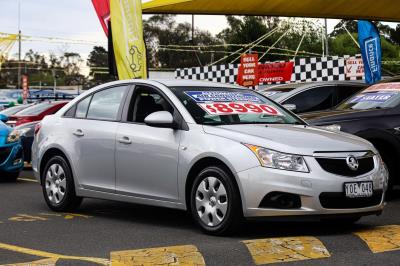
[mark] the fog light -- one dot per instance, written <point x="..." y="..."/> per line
<point x="281" y="200"/>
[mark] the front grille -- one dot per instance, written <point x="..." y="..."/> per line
<point x="4" y="153"/>
<point x="339" y="166"/>
<point x="337" y="200"/>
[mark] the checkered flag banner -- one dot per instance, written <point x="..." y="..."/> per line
<point x="304" y="70"/>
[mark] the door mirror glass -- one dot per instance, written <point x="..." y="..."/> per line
<point x="290" y="107"/>
<point x="3" y="118"/>
<point x="161" y="119"/>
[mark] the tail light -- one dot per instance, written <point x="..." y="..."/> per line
<point x="37" y="128"/>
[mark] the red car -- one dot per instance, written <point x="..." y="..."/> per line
<point x="35" y="113"/>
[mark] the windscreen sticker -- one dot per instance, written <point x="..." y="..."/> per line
<point x="232" y="108"/>
<point x="373" y="97"/>
<point x="270" y="93"/>
<point x="384" y="87"/>
<point x="223" y="96"/>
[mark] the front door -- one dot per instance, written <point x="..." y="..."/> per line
<point x="147" y="157"/>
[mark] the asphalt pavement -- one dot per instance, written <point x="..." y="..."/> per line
<point x="112" y="233"/>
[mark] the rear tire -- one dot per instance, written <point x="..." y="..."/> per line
<point x="58" y="186"/>
<point x="215" y="201"/>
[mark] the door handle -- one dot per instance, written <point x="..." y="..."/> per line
<point x="79" y="133"/>
<point x="125" y="140"/>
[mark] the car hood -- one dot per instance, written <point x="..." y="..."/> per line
<point x="4" y="129"/>
<point x="335" y="116"/>
<point x="296" y="139"/>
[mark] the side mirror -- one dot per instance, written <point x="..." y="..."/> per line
<point x="161" y="119"/>
<point x="3" y="118"/>
<point x="291" y="107"/>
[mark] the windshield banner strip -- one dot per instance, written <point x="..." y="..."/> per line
<point x="232" y="108"/>
<point x="223" y="96"/>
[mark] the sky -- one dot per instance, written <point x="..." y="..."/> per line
<point x="77" y="20"/>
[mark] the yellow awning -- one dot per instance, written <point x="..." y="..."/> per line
<point x="383" y="10"/>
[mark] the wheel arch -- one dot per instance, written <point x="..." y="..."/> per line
<point x="201" y="164"/>
<point x="47" y="155"/>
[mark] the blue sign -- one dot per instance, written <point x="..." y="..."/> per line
<point x="370" y="45"/>
<point x="223" y="96"/>
<point x="373" y="97"/>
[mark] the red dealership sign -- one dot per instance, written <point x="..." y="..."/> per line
<point x="25" y="88"/>
<point x="103" y="12"/>
<point x="248" y="70"/>
<point x="275" y="72"/>
<point x="251" y="73"/>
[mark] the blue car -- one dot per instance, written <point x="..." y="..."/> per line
<point x="11" y="152"/>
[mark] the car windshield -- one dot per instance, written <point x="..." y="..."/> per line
<point x="276" y="93"/>
<point x="226" y="106"/>
<point x="380" y="96"/>
<point x="13" y="110"/>
<point x="36" y="109"/>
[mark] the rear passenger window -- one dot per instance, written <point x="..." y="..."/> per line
<point x="344" y="92"/>
<point x="105" y="104"/>
<point x="82" y="108"/>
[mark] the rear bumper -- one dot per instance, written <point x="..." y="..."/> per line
<point x="12" y="158"/>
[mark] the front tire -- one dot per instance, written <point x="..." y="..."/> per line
<point x="58" y="186"/>
<point x="215" y="201"/>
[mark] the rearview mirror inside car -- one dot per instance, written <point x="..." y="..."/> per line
<point x="290" y="107"/>
<point x="3" y="118"/>
<point x="161" y="119"/>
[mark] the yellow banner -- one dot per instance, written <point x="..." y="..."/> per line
<point x="127" y="35"/>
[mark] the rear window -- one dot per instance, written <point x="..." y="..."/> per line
<point x="13" y="110"/>
<point x="36" y="109"/>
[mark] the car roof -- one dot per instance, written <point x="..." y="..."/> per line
<point x="318" y="84"/>
<point x="194" y="83"/>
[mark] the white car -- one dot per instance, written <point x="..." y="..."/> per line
<point x="220" y="151"/>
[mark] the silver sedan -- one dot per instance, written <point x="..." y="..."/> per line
<point x="220" y="151"/>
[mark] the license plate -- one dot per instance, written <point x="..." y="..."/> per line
<point x="359" y="189"/>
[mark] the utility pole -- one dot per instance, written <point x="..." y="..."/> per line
<point x="19" y="44"/>
<point x="326" y="38"/>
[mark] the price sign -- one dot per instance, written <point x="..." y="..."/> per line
<point x="231" y="108"/>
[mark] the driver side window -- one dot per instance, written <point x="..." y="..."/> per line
<point x="145" y="101"/>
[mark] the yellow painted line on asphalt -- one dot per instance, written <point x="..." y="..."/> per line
<point x="286" y="249"/>
<point x="50" y="255"/>
<point x="28" y="179"/>
<point x="163" y="256"/>
<point x="381" y="238"/>
<point x="44" y="262"/>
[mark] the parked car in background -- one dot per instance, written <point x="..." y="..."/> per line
<point x="316" y="96"/>
<point x="11" y="153"/>
<point x="373" y="114"/>
<point x="27" y="132"/>
<point x="15" y="109"/>
<point x="35" y="112"/>
<point x="220" y="151"/>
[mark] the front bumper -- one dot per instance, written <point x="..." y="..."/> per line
<point x="319" y="192"/>
<point x="11" y="158"/>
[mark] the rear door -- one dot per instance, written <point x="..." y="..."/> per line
<point x="92" y="132"/>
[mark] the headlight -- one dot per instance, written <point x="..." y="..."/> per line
<point x="14" y="136"/>
<point x="278" y="160"/>
<point x="332" y="127"/>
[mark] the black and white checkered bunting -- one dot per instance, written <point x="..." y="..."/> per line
<point x="304" y="70"/>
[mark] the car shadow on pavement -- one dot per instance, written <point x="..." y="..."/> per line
<point x="180" y="220"/>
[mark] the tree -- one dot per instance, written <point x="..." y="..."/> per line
<point x="98" y="63"/>
<point x="169" y="43"/>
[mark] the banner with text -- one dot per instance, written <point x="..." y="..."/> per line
<point x="128" y="42"/>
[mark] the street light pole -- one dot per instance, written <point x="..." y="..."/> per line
<point x="19" y="44"/>
<point x="326" y="38"/>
